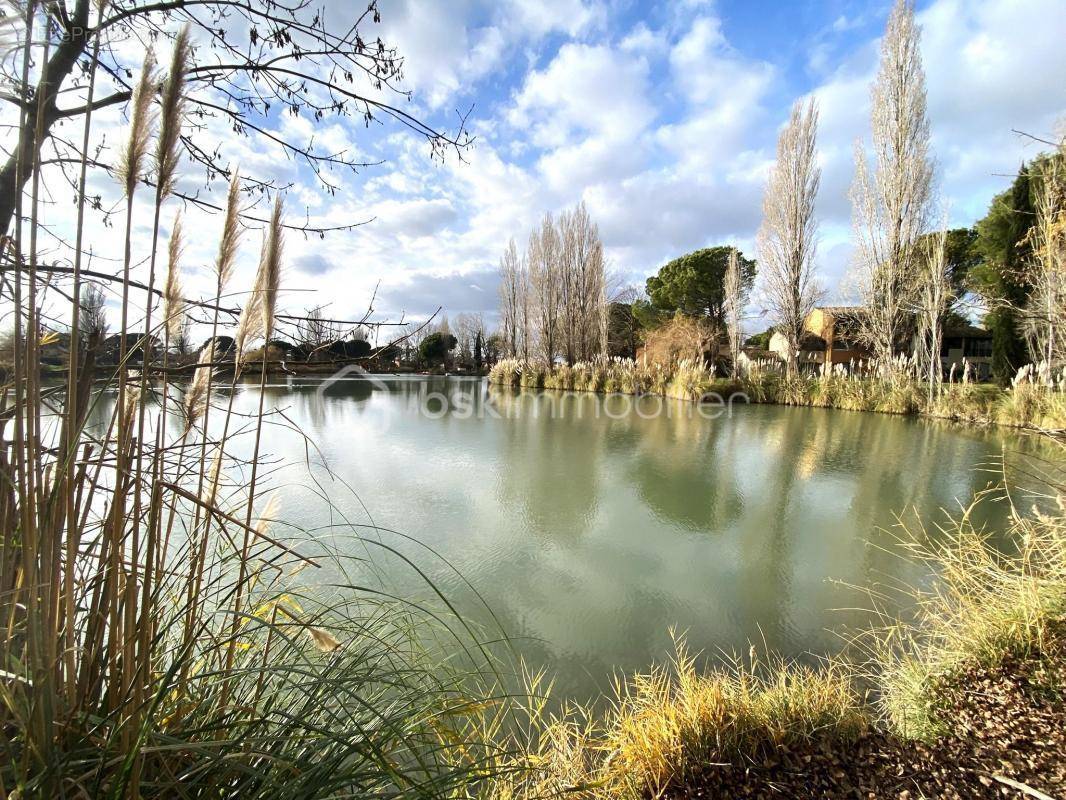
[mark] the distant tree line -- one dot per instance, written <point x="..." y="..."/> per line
<point x="914" y="277"/>
<point x="553" y="301"/>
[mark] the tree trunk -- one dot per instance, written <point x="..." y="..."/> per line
<point x="13" y="177"/>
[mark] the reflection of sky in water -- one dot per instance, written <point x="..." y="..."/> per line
<point x="593" y="535"/>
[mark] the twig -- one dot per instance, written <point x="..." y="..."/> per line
<point x="1021" y="787"/>
<point x="223" y="515"/>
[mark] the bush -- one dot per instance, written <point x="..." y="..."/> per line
<point x="682" y="338"/>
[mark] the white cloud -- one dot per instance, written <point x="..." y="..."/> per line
<point x="449" y="47"/>
<point x="709" y="71"/>
<point x="572" y="17"/>
<point x="585" y="89"/>
<point x="665" y="132"/>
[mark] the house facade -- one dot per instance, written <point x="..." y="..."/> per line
<point x="970" y="345"/>
<point x="831" y="336"/>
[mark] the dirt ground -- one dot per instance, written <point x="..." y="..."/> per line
<point x="1008" y="740"/>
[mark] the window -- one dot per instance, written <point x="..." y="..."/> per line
<point x="977" y="348"/>
<point x="950" y="343"/>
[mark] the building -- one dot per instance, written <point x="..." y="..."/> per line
<point x="970" y="344"/>
<point x="831" y="335"/>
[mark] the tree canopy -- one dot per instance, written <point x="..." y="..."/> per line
<point x="693" y="284"/>
<point x="435" y="347"/>
<point x="760" y="340"/>
<point x="1002" y="250"/>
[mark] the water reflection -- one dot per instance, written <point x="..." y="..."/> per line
<point x="590" y="529"/>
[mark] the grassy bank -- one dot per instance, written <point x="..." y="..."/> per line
<point x="1034" y="401"/>
<point x="889" y="718"/>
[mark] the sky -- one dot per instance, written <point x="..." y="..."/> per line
<point x="662" y="118"/>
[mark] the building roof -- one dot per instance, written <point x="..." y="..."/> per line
<point x="968" y="332"/>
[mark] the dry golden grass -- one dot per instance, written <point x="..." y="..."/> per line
<point x="990" y="601"/>
<point x="666" y="725"/>
<point x="1034" y="401"/>
<point x="671" y="722"/>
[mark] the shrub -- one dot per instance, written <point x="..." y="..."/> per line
<point x="682" y="338"/>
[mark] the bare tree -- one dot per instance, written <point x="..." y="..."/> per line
<point x="787" y="237"/>
<point x="544" y="273"/>
<point x="467" y="328"/>
<point x="568" y="286"/>
<point x="554" y="299"/>
<point x="736" y="297"/>
<point x="1045" y="314"/>
<point x="252" y="60"/>
<point x="581" y="285"/>
<point x="92" y="316"/>
<point x="891" y="207"/>
<point x="411" y="336"/>
<point x="315" y="332"/>
<point x="526" y="308"/>
<point x="511" y="287"/>
<point x="934" y="297"/>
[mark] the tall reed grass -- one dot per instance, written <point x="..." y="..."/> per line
<point x="1036" y="399"/>
<point x="158" y="638"/>
<point x="990" y="602"/>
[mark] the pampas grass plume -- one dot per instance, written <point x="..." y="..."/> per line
<point x="173" y="301"/>
<point x="131" y="161"/>
<point x="173" y="110"/>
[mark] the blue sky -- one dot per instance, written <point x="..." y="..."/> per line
<point x="663" y="118"/>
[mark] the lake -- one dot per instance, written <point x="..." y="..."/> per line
<point x="593" y="525"/>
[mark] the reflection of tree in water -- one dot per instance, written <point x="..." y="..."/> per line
<point x="339" y="403"/>
<point x="680" y="471"/>
<point x="769" y="533"/>
<point x="553" y="447"/>
<point x="908" y="469"/>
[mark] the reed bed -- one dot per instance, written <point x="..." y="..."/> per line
<point x="159" y="638"/>
<point x="1036" y="399"/>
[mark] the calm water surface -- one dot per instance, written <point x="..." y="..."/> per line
<point x="591" y="527"/>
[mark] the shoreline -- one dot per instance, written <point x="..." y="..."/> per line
<point x="1026" y="406"/>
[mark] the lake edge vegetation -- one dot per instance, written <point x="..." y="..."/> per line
<point x="159" y="643"/>
<point x="1036" y="399"/>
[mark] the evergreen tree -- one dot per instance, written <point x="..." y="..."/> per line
<point x="1002" y="243"/>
